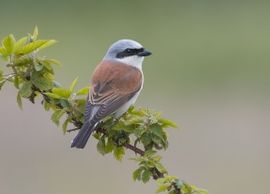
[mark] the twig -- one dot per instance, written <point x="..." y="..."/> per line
<point x="70" y="130"/>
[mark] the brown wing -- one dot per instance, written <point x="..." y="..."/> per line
<point x="113" y="84"/>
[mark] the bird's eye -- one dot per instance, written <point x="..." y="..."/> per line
<point x="128" y="50"/>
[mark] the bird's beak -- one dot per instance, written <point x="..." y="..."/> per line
<point x="144" y="53"/>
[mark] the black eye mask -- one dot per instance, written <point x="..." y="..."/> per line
<point x="129" y="52"/>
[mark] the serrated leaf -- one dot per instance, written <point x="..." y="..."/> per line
<point x="82" y="91"/>
<point x="119" y="153"/>
<point x="73" y="84"/>
<point x="8" y="43"/>
<point x="35" y="33"/>
<point x="62" y="92"/>
<point x="19" y="101"/>
<point x="20" y="43"/>
<point x="57" y="115"/>
<point x="146" y="176"/>
<point x="26" y="89"/>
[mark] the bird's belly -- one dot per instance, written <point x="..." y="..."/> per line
<point x="126" y="106"/>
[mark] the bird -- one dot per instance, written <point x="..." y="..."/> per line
<point x="115" y="85"/>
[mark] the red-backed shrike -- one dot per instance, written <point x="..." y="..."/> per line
<point x="115" y="85"/>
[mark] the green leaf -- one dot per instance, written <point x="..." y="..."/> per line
<point x="82" y="91"/>
<point x="20" y="43"/>
<point x="64" y="126"/>
<point x="30" y="47"/>
<point x="49" y="94"/>
<point x="8" y="43"/>
<point x="35" y="34"/>
<point x="64" y="103"/>
<point x="3" y="52"/>
<point x="23" y="61"/>
<point x="56" y="116"/>
<point x="119" y="153"/>
<point x="62" y="92"/>
<point x="73" y="84"/>
<point x="101" y="146"/>
<point x="146" y="176"/>
<point x="38" y="66"/>
<point x="157" y="130"/>
<point x="16" y="82"/>
<point x="162" y="188"/>
<point x="48" y="43"/>
<point x="51" y="61"/>
<point x="46" y="105"/>
<point x="26" y="89"/>
<point x="137" y="173"/>
<point x="42" y="81"/>
<point x="109" y="146"/>
<point x="19" y="101"/>
<point x="167" y="123"/>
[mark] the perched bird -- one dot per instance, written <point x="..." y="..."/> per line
<point x="115" y="85"/>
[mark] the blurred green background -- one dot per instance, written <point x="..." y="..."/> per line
<point x="209" y="72"/>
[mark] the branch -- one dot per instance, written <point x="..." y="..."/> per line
<point x="33" y="76"/>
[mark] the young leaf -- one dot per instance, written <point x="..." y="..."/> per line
<point x="73" y="84"/>
<point x="26" y="89"/>
<point x="57" y="115"/>
<point x="82" y="91"/>
<point x="64" y="126"/>
<point x="101" y="146"/>
<point x="49" y="94"/>
<point x="35" y="34"/>
<point x="119" y="153"/>
<point x="162" y="188"/>
<point x="146" y="176"/>
<point x="3" y="52"/>
<point x="16" y="82"/>
<point x="51" y="61"/>
<point x="47" y="44"/>
<point x="41" y="82"/>
<point x="137" y="173"/>
<point x="167" y="123"/>
<point x="8" y="43"/>
<point x="62" y="92"/>
<point x="20" y="43"/>
<point x="19" y="101"/>
<point x="38" y="66"/>
<point x="30" y="47"/>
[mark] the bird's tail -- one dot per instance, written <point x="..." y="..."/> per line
<point x="82" y="137"/>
